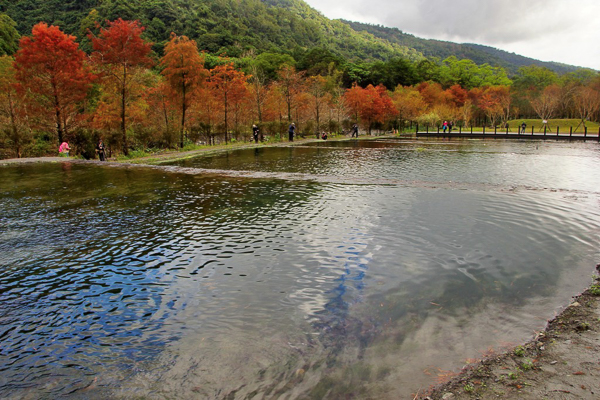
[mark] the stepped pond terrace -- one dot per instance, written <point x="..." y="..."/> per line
<point x="351" y="269"/>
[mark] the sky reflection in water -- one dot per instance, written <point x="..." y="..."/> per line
<point x="120" y="283"/>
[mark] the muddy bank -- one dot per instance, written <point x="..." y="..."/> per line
<point x="561" y="362"/>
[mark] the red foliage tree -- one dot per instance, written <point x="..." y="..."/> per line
<point x="118" y="50"/>
<point x="457" y="95"/>
<point x="372" y="104"/>
<point x="51" y="72"/>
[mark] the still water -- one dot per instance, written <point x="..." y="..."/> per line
<point x="387" y="271"/>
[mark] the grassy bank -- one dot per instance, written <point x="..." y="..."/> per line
<point x="564" y="125"/>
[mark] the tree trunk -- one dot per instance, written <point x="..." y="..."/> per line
<point x="183" y="109"/>
<point x="123" y="125"/>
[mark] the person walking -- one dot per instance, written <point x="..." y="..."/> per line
<point x="292" y="131"/>
<point x="255" y="133"/>
<point x="354" y="131"/>
<point x="101" y="150"/>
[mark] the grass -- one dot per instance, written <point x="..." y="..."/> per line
<point x="519" y="351"/>
<point x="527" y="365"/>
<point x="563" y="125"/>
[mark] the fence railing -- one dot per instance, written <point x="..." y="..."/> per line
<point x="543" y="132"/>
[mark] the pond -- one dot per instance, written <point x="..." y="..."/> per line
<point x="379" y="269"/>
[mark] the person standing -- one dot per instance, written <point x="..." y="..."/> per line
<point x="64" y="149"/>
<point x="523" y="126"/>
<point x="354" y="131"/>
<point x="101" y="150"/>
<point x="445" y="126"/>
<point x="255" y="133"/>
<point x="292" y="131"/>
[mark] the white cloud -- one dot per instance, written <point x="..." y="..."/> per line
<point x="549" y="30"/>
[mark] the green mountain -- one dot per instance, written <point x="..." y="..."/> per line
<point x="233" y="27"/>
<point x="478" y="53"/>
<point x="229" y="27"/>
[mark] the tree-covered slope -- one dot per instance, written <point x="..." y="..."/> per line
<point x="228" y="27"/>
<point x="232" y="27"/>
<point x="437" y="48"/>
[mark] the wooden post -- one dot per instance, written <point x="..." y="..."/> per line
<point x="570" y="130"/>
<point x="556" y="130"/>
<point x="484" y="129"/>
<point x="495" y="130"/>
<point x="585" y="131"/>
<point x="545" y="130"/>
<point x="417" y="131"/>
<point x="471" y="129"/>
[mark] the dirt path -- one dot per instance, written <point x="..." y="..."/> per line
<point x="174" y="155"/>
<point x="33" y="160"/>
<point x="562" y="362"/>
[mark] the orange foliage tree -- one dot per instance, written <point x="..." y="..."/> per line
<point x="228" y="87"/>
<point x="318" y="98"/>
<point x="274" y="108"/>
<point x="163" y="112"/>
<point x="409" y="103"/>
<point x="118" y="51"/>
<point x="495" y="102"/>
<point x="51" y="72"/>
<point x="108" y="113"/>
<point x="546" y="103"/>
<point x="432" y="93"/>
<point x="587" y="102"/>
<point x="11" y="108"/>
<point x="290" y="84"/>
<point x="184" y="70"/>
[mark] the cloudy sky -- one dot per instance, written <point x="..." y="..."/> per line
<point x="565" y="31"/>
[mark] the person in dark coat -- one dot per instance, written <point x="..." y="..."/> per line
<point x="255" y="133"/>
<point x="100" y="149"/>
<point x="292" y="131"/>
<point x="354" y="131"/>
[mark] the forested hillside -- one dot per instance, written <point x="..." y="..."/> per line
<point x="229" y="27"/>
<point x="232" y="27"/>
<point x="478" y="53"/>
